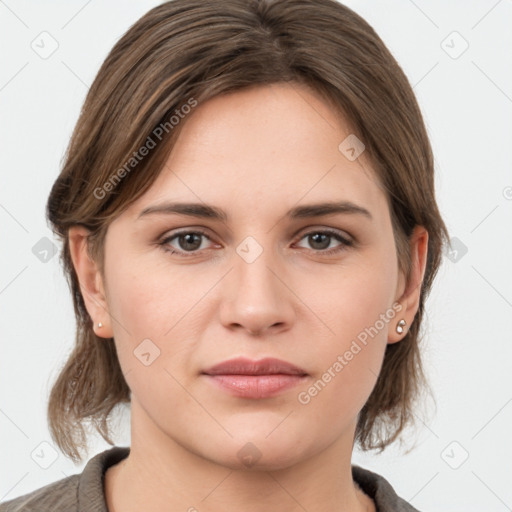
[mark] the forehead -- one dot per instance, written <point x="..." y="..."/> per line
<point x="264" y="146"/>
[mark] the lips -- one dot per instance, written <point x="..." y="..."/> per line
<point x="242" y="366"/>
<point x="247" y="378"/>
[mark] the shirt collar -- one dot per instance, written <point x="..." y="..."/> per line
<point x="91" y="488"/>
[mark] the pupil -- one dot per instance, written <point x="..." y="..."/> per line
<point x="189" y="239"/>
<point x="315" y="239"/>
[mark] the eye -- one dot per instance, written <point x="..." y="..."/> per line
<point x="321" y="240"/>
<point x="187" y="241"/>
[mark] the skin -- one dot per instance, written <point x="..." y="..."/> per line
<point x="256" y="154"/>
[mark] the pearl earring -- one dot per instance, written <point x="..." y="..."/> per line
<point x="100" y="324"/>
<point x="400" y="326"/>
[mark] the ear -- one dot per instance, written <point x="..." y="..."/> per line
<point x="409" y="297"/>
<point x="91" y="281"/>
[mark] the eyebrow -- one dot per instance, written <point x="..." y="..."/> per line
<point x="205" y="211"/>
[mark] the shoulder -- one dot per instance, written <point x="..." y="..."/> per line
<point x="381" y="491"/>
<point x="75" y="493"/>
<point x="60" y="495"/>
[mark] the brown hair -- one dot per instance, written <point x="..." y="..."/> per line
<point x="187" y="51"/>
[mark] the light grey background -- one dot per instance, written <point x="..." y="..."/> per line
<point x="466" y="98"/>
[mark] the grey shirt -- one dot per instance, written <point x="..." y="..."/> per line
<point x="84" y="492"/>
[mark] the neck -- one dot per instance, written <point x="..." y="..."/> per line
<point x="161" y="475"/>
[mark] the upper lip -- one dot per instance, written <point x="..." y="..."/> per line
<point x="244" y="366"/>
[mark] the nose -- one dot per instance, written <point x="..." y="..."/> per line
<point x="257" y="297"/>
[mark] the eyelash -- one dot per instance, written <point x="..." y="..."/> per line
<point x="345" y="243"/>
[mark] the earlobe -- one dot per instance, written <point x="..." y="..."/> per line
<point x="91" y="282"/>
<point x="398" y="329"/>
<point x="410" y="298"/>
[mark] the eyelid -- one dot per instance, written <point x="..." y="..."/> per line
<point x="167" y="236"/>
<point x="326" y="229"/>
<point x="301" y="233"/>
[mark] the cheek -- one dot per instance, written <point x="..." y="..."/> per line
<point x="149" y="300"/>
<point x="354" y="300"/>
<point x="134" y="302"/>
<point x="156" y="303"/>
<point x="357" y="307"/>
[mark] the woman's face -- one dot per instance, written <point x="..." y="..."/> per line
<point x="268" y="280"/>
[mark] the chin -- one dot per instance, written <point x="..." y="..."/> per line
<point x="258" y="453"/>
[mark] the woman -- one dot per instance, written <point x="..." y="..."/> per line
<point x="250" y="232"/>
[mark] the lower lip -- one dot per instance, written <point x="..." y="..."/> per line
<point x="256" y="386"/>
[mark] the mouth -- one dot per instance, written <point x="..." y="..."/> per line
<point x="246" y="378"/>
